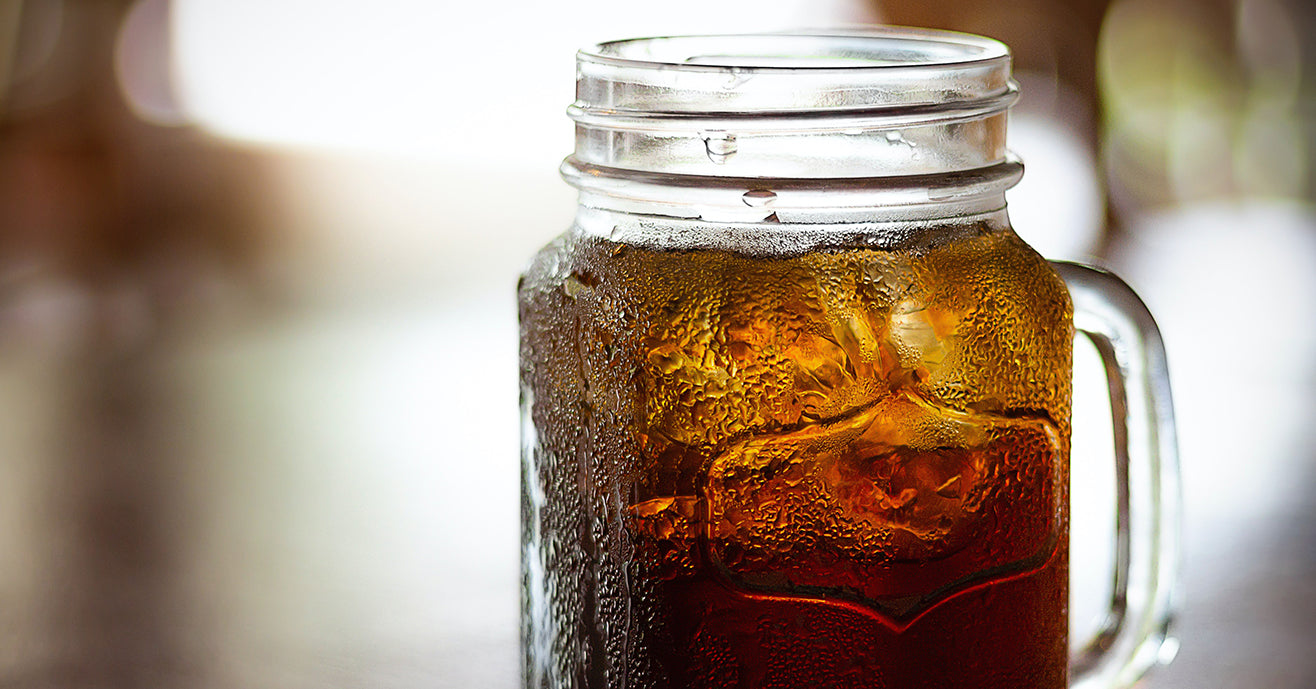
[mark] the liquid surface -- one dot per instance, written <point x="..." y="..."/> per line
<point x="840" y="468"/>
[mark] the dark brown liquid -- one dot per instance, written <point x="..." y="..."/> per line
<point x="843" y="468"/>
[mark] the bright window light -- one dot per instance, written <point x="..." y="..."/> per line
<point x="461" y="81"/>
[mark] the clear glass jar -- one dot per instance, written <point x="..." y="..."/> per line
<point x="796" y="399"/>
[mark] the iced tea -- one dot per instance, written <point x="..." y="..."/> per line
<point x="839" y="467"/>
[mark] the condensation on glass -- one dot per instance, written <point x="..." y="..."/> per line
<point x="796" y="399"/>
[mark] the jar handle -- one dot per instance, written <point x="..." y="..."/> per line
<point x="1135" y="634"/>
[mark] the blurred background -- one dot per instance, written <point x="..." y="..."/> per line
<point x="257" y="323"/>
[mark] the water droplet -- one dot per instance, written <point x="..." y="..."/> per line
<point x="758" y="198"/>
<point x="719" y="146"/>
<point x="898" y="138"/>
<point x="572" y="286"/>
<point x="735" y="77"/>
<point x="578" y="282"/>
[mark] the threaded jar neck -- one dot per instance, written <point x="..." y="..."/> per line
<point x="809" y="121"/>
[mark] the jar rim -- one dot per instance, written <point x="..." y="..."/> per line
<point x="864" y="103"/>
<point x="878" y="48"/>
<point x="817" y="72"/>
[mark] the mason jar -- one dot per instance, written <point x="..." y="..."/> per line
<point x="796" y="399"/>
